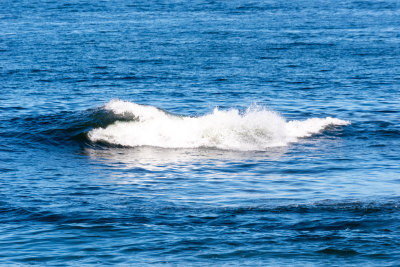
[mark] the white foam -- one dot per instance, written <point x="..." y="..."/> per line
<point x="255" y="129"/>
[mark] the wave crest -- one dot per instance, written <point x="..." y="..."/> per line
<point x="255" y="129"/>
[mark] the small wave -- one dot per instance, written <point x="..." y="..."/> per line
<point x="255" y="129"/>
<point x="60" y="129"/>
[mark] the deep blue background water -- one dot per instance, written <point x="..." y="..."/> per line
<point x="330" y="199"/>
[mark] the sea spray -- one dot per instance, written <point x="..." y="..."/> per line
<point x="255" y="129"/>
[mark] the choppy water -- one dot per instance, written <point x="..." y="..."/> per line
<point x="200" y="133"/>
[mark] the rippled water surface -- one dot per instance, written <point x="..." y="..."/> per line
<point x="200" y="133"/>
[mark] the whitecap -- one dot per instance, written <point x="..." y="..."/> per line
<point x="257" y="128"/>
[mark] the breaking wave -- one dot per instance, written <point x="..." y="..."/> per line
<point x="257" y="128"/>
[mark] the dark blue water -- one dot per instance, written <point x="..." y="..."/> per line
<point x="200" y="133"/>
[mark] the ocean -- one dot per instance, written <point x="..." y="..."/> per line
<point x="200" y="133"/>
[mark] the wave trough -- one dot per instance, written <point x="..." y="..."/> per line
<point x="255" y="129"/>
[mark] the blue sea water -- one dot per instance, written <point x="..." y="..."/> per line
<point x="200" y="132"/>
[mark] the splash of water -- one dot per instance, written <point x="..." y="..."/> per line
<point x="255" y="129"/>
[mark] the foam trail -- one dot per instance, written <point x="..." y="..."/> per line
<point x="255" y="129"/>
